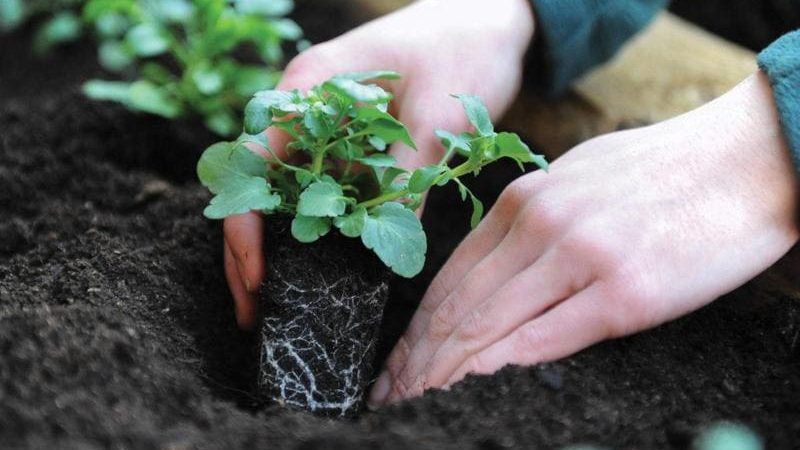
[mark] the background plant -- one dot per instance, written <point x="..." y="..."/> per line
<point x="187" y="57"/>
<point x="340" y="174"/>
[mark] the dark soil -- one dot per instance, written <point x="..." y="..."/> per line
<point x="117" y="331"/>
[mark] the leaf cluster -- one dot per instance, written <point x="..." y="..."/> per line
<point x="184" y="54"/>
<point x="60" y="26"/>
<point x="339" y="174"/>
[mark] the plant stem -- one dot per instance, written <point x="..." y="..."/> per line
<point x="383" y="199"/>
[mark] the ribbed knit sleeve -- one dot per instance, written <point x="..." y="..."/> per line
<point x="574" y="36"/>
<point x="781" y="62"/>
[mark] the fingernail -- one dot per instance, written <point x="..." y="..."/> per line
<point x="379" y="391"/>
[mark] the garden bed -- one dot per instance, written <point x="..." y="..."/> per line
<point x="117" y="330"/>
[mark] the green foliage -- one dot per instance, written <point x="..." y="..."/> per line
<point x="727" y="436"/>
<point x="182" y="52"/>
<point x="340" y="175"/>
<point x="60" y="26"/>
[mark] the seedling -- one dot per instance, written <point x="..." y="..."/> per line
<point x="341" y="130"/>
<point x="183" y="54"/>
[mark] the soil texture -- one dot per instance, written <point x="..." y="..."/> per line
<point x="117" y="330"/>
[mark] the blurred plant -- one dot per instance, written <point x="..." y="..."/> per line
<point x="727" y="436"/>
<point x="184" y="53"/>
<point x="61" y="26"/>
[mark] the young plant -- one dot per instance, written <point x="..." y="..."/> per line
<point x="61" y="26"/>
<point x="343" y="177"/>
<point x="183" y="54"/>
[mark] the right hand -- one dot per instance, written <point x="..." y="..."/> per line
<point x="440" y="47"/>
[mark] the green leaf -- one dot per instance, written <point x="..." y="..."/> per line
<point x="62" y="28"/>
<point x="147" y="40"/>
<point x="477" y="211"/>
<point x="264" y="7"/>
<point x="223" y="163"/>
<point x="382" y="125"/>
<point x="222" y="122"/>
<point x="388" y="175"/>
<point x="509" y="145"/>
<point x="352" y="225"/>
<point x="146" y="96"/>
<point x="423" y="178"/>
<point x="378" y="160"/>
<point x="238" y="177"/>
<point x="258" y="112"/>
<point x="453" y="143"/>
<point x="288" y="29"/>
<point x="477" y="114"/>
<point x="322" y="199"/>
<point x="174" y="11"/>
<point x="112" y="25"/>
<point x="114" y="56"/>
<point x="250" y="79"/>
<point x="357" y="92"/>
<point x="372" y="75"/>
<point x="377" y="143"/>
<point x="309" y="229"/>
<point x="395" y="234"/>
<point x="12" y="13"/>
<point x="243" y="196"/>
<point x="117" y="91"/>
<point x="208" y="80"/>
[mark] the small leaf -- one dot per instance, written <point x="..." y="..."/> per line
<point x="377" y="143"/>
<point x="288" y="29"/>
<point x="477" y="211"/>
<point x="245" y="195"/>
<point x="509" y="145"/>
<point x="12" y="14"/>
<point x="111" y="25"/>
<point x="117" y="91"/>
<point x="357" y="92"/>
<point x="388" y="175"/>
<point x="423" y="178"/>
<point x="453" y="143"/>
<point x="147" y="40"/>
<point x="224" y="162"/>
<point x="309" y="229"/>
<point x="173" y="11"/>
<point x="395" y="234"/>
<point x="258" y="112"/>
<point x="382" y="125"/>
<point x="114" y="56"/>
<point x="322" y="199"/>
<point x="352" y="225"/>
<point x="147" y="97"/>
<point x="378" y="160"/>
<point x="477" y="114"/>
<point x="208" y="80"/>
<point x="304" y="177"/>
<point x="222" y="122"/>
<point x="265" y="7"/>
<point x="62" y="28"/>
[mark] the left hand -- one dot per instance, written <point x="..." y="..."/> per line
<point x="627" y="231"/>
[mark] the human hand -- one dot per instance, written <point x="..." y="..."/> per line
<point x="627" y="231"/>
<point x="439" y="47"/>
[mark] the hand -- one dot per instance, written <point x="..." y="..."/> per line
<point x="627" y="231"/>
<point x="441" y="47"/>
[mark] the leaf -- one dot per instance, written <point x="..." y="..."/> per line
<point x="224" y="162"/>
<point x="477" y="114"/>
<point x="382" y="125"/>
<point x="352" y="225"/>
<point x="388" y="175"/>
<point x="258" y="112"/>
<point x="378" y="160"/>
<point x="147" y="40"/>
<point x="265" y="7"/>
<point x="395" y="234"/>
<point x="322" y="199"/>
<point x="146" y="96"/>
<point x="423" y="178"/>
<point x="288" y="29"/>
<point x="174" y="11"/>
<point x="243" y="196"/>
<point x="111" y="25"/>
<point x="62" y="28"/>
<point x="309" y="229"/>
<point x="453" y="143"/>
<point x="12" y="14"/>
<point x="357" y="92"/>
<point x="477" y="211"/>
<point x="372" y="75"/>
<point x="222" y="122"/>
<point x="208" y="80"/>
<point x="509" y="145"/>
<point x="238" y="177"/>
<point x="114" y="56"/>
<point x="117" y="91"/>
<point x="317" y="123"/>
<point x="377" y="143"/>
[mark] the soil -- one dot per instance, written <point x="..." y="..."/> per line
<point x="117" y="330"/>
<point x="322" y="305"/>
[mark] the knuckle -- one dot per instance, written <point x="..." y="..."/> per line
<point x="474" y="327"/>
<point x="515" y="195"/>
<point x="631" y="307"/>
<point x="529" y="338"/>
<point x="443" y="320"/>
<point x="540" y="217"/>
<point x="594" y="248"/>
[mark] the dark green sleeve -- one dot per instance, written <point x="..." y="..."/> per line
<point x="574" y="36"/>
<point x="781" y="62"/>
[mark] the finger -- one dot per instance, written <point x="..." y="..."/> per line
<point x="569" y="327"/>
<point x="531" y="292"/>
<point x="244" y="301"/>
<point x="499" y="267"/>
<point x="244" y="234"/>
